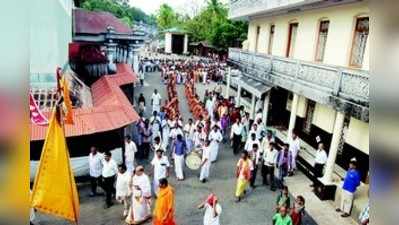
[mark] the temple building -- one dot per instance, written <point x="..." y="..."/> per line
<point x="97" y="55"/>
<point x="176" y="41"/>
<point x="306" y="63"/>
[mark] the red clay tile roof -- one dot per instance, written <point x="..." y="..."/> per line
<point x="111" y="108"/>
<point x="90" y="22"/>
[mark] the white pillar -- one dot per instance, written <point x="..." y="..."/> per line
<point x="135" y="60"/>
<point x="332" y="154"/>
<point x="294" y="107"/>
<point x="227" y="90"/>
<point x="238" y="95"/>
<point x="266" y="108"/>
<point x="252" y="115"/>
<point x="185" y="47"/>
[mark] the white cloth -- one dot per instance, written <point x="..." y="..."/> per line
<point x="236" y="129"/>
<point x="140" y="209"/>
<point x="143" y="181"/>
<point x="109" y="168"/>
<point x="321" y="156"/>
<point x="189" y="131"/>
<point x="160" y="169"/>
<point x="95" y="164"/>
<point x="250" y="143"/>
<point x="206" y="155"/>
<point x="122" y="185"/>
<point x="175" y="131"/>
<point x="130" y="150"/>
<point x="294" y="149"/>
<point x="179" y="163"/>
<point x="215" y="137"/>
<point x="346" y="201"/>
<point x="165" y="134"/>
<point x="270" y="157"/>
<point x="156" y="99"/>
<point x="209" y="216"/>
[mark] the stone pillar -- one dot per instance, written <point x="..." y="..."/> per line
<point x="168" y="43"/>
<point x="227" y="90"/>
<point x="294" y="107"/>
<point x="111" y="52"/>
<point x="332" y="154"/>
<point x="185" y="47"/>
<point x="130" y="55"/>
<point x="135" y="60"/>
<point x="253" y="102"/>
<point x="238" y="95"/>
<point x="266" y="108"/>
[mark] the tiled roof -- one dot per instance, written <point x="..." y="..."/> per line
<point x="89" y="22"/>
<point x="111" y="108"/>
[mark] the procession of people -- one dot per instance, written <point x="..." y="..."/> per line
<point x="194" y="142"/>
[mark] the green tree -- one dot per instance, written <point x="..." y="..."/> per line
<point x="166" y="17"/>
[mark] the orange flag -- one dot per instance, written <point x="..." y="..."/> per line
<point x="67" y="106"/>
<point x="54" y="191"/>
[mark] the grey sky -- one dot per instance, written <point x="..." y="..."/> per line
<point x="182" y="6"/>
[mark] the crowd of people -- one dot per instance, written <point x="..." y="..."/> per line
<point x="215" y="120"/>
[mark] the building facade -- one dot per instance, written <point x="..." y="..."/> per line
<point x="313" y="57"/>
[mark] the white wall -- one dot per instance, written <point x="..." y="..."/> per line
<point x="340" y="34"/>
<point x="50" y="34"/>
<point x="358" y="135"/>
<point x="168" y="42"/>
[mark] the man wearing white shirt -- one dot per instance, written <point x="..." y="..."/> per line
<point x="250" y="142"/>
<point x="156" y="101"/>
<point x="212" y="210"/>
<point x="205" y="162"/>
<point x="160" y="165"/>
<point x="130" y="151"/>
<point x="110" y="169"/>
<point x="95" y="169"/>
<point x="294" y="149"/>
<point x="269" y="162"/>
<point x="320" y="160"/>
<point x="235" y="136"/>
<point x="189" y="129"/>
<point x="215" y="137"/>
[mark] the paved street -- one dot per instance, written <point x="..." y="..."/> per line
<point x="256" y="209"/>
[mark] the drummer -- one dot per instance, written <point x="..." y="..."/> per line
<point x="206" y="161"/>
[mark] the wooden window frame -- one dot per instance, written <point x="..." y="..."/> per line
<point x="318" y="39"/>
<point x="356" y="22"/>
<point x="290" y="26"/>
<point x="272" y="31"/>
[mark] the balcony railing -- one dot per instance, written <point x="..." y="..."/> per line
<point x="343" y="83"/>
<point x="242" y="8"/>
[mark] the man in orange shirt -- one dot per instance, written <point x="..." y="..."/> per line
<point x="165" y="204"/>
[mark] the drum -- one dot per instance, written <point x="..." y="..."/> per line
<point x="193" y="160"/>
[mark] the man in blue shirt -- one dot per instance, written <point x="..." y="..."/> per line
<point x="179" y="150"/>
<point x="351" y="182"/>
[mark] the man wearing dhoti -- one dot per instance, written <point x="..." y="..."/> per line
<point x="130" y="151"/>
<point x="212" y="210"/>
<point x="165" y="131"/>
<point x="156" y="101"/>
<point x="160" y="165"/>
<point x="215" y="137"/>
<point x="140" y="209"/>
<point x="165" y="204"/>
<point x="294" y="148"/>
<point x="122" y="188"/>
<point x="206" y="162"/>
<point x="179" y="151"/>
<point x="243" y="173"/>
<point x="189" y="134"/>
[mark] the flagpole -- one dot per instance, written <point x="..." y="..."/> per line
<point x="59" y="116"/>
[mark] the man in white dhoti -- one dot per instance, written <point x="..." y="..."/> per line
<point x="155" y="122"/>
<point x="130" y="151"/>
<point x="206" y="162"/>
<point x="294" y="149"/>
<point x="140" y="209"/>
<point x="156" y="101"/>
<point x="212" y="210"/>
<point x="189" y="129"/>
<point x="95" y="169"/>
<point x="160" y="167"/>
<point x="122" y="188"/>
<point x="209" y="105"/>
<point x="165" y="132"/>
<point x="215" y="137"/>
<point x="179" y="151"/>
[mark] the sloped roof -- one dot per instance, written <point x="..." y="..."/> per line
<point x="90" y="22"/>
<point x="111" y="108"/>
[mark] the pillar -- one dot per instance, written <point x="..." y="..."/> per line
<point x="185" y="47"/>
<point x="111" y="54"/>
<point x="130" y="55"/>
<point x="266" y="108"/>
<point x="136" y="60"/>
<point x="253" y="102"/>
<point x="332" y="154"/>
<point x="238" y="95"/>
<point x="294" y="107"/>
<point x="227" y="90"/>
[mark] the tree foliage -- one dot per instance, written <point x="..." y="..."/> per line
<point x="119" y="8"/>
<point x="210" y="24"/>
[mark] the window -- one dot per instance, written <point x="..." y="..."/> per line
<point x="271" y="37"/>
<point x="307" y="122"/>
<point x="291" y="39"/>
<point x="322" y="40"/>
<point x="359" y="41"/>
<point x="257" y="38"/>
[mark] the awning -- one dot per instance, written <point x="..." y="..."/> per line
<point x="253" y="86"/>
